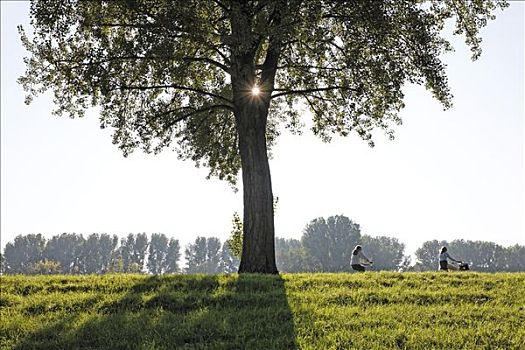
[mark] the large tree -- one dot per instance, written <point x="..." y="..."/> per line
<point x="427" y="256"/>
<point x="133" y="252"/>
<point x="66" y="250"/>
<point x="214" y="79"/>
<point x="158" y="249"/>
<point x="173" y="256"/>
<point x="290" y="255"/>
<point x="516" y="258"/>
<point x="328" y="244"/>
<point x="23" y="253"/>
<point x="203" y="256"/>
<point x="386" y="252"/>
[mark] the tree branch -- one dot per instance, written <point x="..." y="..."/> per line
<point x="210" y="61"/>
<point x="306" y="91"/>
<point x="470" y="37"/>
<point x="174" y="86"/>
<point x="126" y="25"/>
<point x="306" y="68"/>
<point x="131" y="57"/>
<point x="196" y="111"/>
<point x="312" y="106"/>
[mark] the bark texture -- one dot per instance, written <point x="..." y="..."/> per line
<point x="258" y="253"/>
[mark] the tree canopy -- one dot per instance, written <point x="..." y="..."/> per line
<point x="181" y="74"/>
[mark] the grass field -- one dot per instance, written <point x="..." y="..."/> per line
<point x="296" y="311"/>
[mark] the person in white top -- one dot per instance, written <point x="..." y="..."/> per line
<point x="444" y="257"/>
<point x="359" y="260"/>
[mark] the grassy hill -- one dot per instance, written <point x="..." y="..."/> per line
<point x="306" y="311"/>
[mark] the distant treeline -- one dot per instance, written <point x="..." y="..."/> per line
<point x="325" y="246"/>
<point x="72" y="253"/>
<point x="481" y="255"/>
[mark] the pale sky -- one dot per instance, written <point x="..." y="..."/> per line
<point x="448" y="174"/>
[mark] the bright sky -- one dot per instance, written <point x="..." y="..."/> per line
<point x="449" y="174"/>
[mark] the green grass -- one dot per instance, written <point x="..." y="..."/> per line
<point x="306" y="311"/>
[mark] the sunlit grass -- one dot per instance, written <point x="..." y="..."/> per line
<point x="307" y="311"/>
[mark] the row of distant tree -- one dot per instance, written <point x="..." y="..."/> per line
<point x="72" y="253"/>
<point x="325" y="246"/>
<point x="481" y="255"/>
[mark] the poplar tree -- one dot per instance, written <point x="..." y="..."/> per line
<point x="216" y="79"/>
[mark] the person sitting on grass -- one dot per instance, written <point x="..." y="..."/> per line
<point x="444" y="256"/>
<point x="358" y="258"/>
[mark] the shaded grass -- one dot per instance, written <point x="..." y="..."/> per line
<point x="307" y="311"/>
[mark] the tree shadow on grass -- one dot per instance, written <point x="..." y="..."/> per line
<point x="182" y="311"/>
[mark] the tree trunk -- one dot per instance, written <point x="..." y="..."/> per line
<point x="258" y="251"/>
<point x="251" y="112"/>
